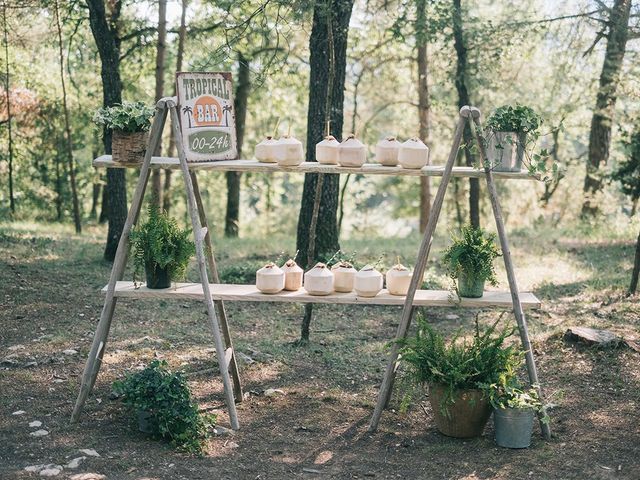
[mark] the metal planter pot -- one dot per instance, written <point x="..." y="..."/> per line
<point x="466" y="417"/>
<point x="505" y="151"/>
<point x="513" y="427"/>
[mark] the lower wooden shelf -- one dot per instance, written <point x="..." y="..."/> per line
<point x="249" y="293"/>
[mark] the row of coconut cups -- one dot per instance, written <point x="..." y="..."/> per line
<point x="287" y="151"/>
<point x="342" y="278"/>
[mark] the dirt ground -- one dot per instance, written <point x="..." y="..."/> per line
<point x="50" y="304"/>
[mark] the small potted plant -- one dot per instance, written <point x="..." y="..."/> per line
<point x="129" y="124"/>
<point x="161" y="249"/>
<point x="510" y="130"/>
<point x="515" y="407"/>
<point x="469" y="260"/>
<point x="162" y="402"/>
<point x="456" y="373"/>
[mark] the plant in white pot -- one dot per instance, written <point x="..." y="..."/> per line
<point x="515" y="408"/>
<point x="511" y="133"/>
<point x="129" y="124"/>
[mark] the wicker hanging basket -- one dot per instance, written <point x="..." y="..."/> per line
<point x="129" y="147"/>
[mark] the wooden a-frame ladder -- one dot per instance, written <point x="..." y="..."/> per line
<point x="470" y="115"/>
<point x="204" y="255"/>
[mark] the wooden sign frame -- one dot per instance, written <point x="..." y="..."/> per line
<point x="207" y="116"/>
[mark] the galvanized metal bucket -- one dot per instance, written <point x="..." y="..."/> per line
<point x="513" y="427"/>
<point x="505" y="151"/>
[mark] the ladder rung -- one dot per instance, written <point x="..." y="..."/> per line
<point x="228" y="355"/>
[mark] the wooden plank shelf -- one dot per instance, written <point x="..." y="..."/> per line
<point x="105" y="161"/>
<point x="249" y="293"/>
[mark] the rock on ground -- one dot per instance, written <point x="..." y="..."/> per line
<point x="75" y="463"/>
<point x="87" y="476"/>
<point x="39" y="433"/>
<point x="90" y="452"/>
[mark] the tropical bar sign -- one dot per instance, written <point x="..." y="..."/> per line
<point x="207" y="116"/>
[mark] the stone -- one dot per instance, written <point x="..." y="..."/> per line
<point x="19" y="412"/>
<point x="90" y="452"/>
<point x="232" y="445"/>
<point x="222" y="431"/>
<point x="452" y="316"/>
<point x="272" y="392"/>
<point x="51" y="471"/>
<point x="70" y="351"/>
<point x="34" y="468"/>
<point x="39" y="433"/>
<point x="245" y="359"/>
<point x="594" y="337"/>
<point x="75" y="463"/>
<point x="35" y="424"/>
<point x="87" y="476"/>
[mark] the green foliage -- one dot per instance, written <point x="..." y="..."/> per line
<point x="628" y="170"/>
<point x="518" y="118"/>
<point x="166" y="396"/>
<point x="126" y="117"/>
<point x="241" y="272"/>
<point x="159" y="242"/>
<point x="472" y="252"/>
<point x="458" y="364"/>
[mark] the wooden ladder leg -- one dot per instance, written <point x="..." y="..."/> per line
<point x="219" y="304"/>
<point x="416" y="280"/>
<point x="94" y="360"/>
<point x="199" y="235"/>
<point x="511" y="277"/>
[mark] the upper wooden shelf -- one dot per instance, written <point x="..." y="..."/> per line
<point x="249" y="293"/>
<point x="105" y="161"/>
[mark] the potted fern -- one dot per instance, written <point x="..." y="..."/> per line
<point x="510" y="129"/>
<point x="161" y="249"/>
<point x="129" y="124"/>
<point x="457" y="372"/>
<point x="515" y="407"/>
<point x="469" y="261"/>
<point x="162" y="402"/>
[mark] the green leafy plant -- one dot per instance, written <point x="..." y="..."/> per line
<point x="459" y="364"/>
<point x="165" y="395"/>
<point x="628" y="170"/>
<point x="472" y="252"/>
<point x="126" y="117"/>
<point x="159" y="242"/>
<point x="518" y="118"/>
<point x="526" y="123"/>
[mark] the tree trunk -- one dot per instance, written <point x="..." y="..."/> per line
<point x="424" y="105"/>
<point x="58" y="187"/>
<point x="156" y="180"/>
<point x="602" y="119"/>
<point x="67" y="128"/>
<point x="326" y="90"/>
<point x="232" y="216"/>
<point x="463" y="99"/>
<point x="636" y="269"/>
<point x="104" y="205"/>
<point x="12" y="202"/>
<point x="108" y="44"/>
<point x="182" y="35"/>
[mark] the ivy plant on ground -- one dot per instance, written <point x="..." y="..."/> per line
<point x="166" y="397"/>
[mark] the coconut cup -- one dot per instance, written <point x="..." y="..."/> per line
<point x="368" y="282"/>
<point x="292" y="276"/>
<point x="270" y="279"/>
<point x="344" y="276"/>
<point x="319" y="280"/>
